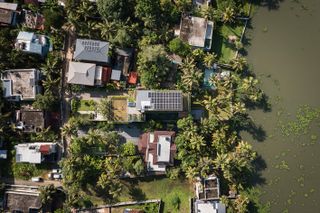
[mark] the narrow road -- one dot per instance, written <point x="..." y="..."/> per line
<point x="64" y="107"/>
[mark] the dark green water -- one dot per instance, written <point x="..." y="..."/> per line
<point x="285" y="54"/>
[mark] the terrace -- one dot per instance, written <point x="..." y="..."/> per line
<point x="20" y="84"/>
<point x="208" y="189"/>
<point x="196" y="31"/>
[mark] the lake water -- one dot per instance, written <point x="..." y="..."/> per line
<point x="284" y="51"/>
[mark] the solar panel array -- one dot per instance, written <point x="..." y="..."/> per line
<point x="91" y="46"/>
<point x="166" y="101"/>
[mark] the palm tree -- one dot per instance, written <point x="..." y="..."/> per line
<point x="210" y="59"/>
<point x="94" y="137"/>
<point x="47" y="193"/>
<point x="228" y="15"/>
<point x="50" y="84"/>
<point x="107" y="29"/>
<point x="241" y="203"/>
<point x="239" y="64"/>
<point x="52" y="65"/>
<point x="191" y="75"/>
<point x="68" y="130"/>
<point x="85" y="9"/>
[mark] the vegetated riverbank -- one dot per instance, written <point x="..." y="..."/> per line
<point x="283" y="52"/>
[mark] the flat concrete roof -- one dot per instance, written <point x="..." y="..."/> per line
<point x="195" y="31"/>
<point x="20" y="82"/>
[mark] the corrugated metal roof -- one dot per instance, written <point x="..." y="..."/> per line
<point x="91" y="50"/>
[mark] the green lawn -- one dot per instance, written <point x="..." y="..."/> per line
<point x="87" y="105"/>
<point x="221" y="45"/>
<point x="155" y="188"/>
<point x="160" y="188"/>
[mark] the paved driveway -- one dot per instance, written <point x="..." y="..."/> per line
<point x="130" y="132"/>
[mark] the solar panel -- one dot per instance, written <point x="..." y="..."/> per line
<point x="166" y="100"/>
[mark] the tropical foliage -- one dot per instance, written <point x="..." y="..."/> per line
<point x="96" y="161"/>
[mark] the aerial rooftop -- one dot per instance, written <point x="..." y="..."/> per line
<point x="33" y="20"/>
<point x="34" y="152"/>
<point x="158" y="149"/>
<point x="30" y="120"/>
<point x="20" y="84"/>
<point x="165" y="101"/>
<point x="91" y="50"/>
<point x="196" y="31"/>
<point x="88" y="74"/>
<point x="7" y="13"/>
<point x="33" y="43"/>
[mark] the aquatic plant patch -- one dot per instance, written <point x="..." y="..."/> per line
<point x="303" y="120"/>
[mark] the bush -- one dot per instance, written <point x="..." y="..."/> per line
<point x="151" y="208"/>
<point x="24" y="171"/>
<point x="75" y="104"/>
<point x="179" y="47"/>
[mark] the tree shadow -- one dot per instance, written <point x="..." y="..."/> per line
<point x="245" y="123"/>
<point x="137" y="194"/>
<point x="255" y="178"/>
<point x="263" y="104"/>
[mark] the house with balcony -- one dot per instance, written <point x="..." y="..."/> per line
<point x="20" y="84"/>
<point x="158" y="150"/>
<point x="33" y="43"/>
<point x="36" y="153"/>
<point x="196" y="31"/>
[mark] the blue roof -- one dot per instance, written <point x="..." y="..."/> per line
<point x="35" y="48"/>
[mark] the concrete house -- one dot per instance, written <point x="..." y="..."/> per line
<point x="196" y="31"/>
<point x="8" y="14"/>
<point x="20" y="84"/>
<point x="92" y="51"/>
<point x="33" y="43"/>
<point x="30" y="120"/>
<point x="36" y="152"/>
<point x="158" y="150"/>
<point x="208" y="196"/>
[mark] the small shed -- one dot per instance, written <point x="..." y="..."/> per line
<point x="133" y="78"/>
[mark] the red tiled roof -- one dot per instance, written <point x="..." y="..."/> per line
<point x="144" y="140"/>
<point x="106" y="74"/>
<point x="45" y="149"/>
<point x="133" y="78"/>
